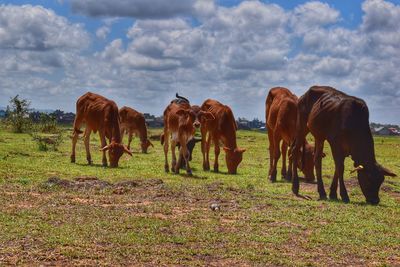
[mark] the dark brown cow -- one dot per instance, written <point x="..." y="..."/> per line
<point x="280" y="117"/>
<point x="222" y="128"/>
<point x="180" y="121"/>
<point x="99" y="114"/>
<point x="133" y="122"/>
<point x="343" y="121"/>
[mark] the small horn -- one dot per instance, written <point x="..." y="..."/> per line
<point x="107" y="147"/>
<point x="358" y="168"/>
<point x="126" y="150"/>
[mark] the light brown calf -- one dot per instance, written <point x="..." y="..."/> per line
<point x="280" y="118"/>
<point x="99" y="114"/>
<point x="221" y="129"/>
<point x="133" y="122"/>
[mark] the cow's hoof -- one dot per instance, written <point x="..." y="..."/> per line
<point x="333" y="196"/>
<point x="89" y="162"/>
<point x="346" y="199"/>
<point x="105" y="164"/>
<point x="189" y="173"/>
<point x="72" y="160"/>
<point x="206" y="167"/>
<point x="322" y="198"/>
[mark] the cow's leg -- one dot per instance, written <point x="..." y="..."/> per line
<point x="284" y="153"/>
<point x="184" y="155"/>
<point x="130" y="136"/>
<point x="75" y="135"/>
<point x="204" y="150"/>
<point x="288" y="176"/>
<point x="88" y="131"/>
<point x="276" y="156"/>
<point x="319" y="146"/>
<point x="271" y="151"/>
<point x="103" y="144"/>
<point x="166" y="143"/>
<point x="174" y="166"/>
<point x="216" y="151"/>
<point x="339" y="169"/>
<point x="334" y="185"/>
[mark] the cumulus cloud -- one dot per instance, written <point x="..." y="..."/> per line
<point x="147" y="9"/>
<point x="36" y="28"/>
<point x="313" y="14"/>
<point x="202" y="49"/>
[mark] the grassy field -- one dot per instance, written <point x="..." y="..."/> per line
<point x="138" y="215"/>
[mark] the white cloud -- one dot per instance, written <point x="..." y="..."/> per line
<point x="155" y="9"/>
<point x="201" y="49"/>
<point x="36" y="28"/>
<point x="102" y="32"/>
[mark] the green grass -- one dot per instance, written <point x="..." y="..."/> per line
<point x="259" y="223"/>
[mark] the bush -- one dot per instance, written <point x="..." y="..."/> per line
<point x="18" y="115"/>
<point x="48" y="123"/>
<point x="46" y="142"/>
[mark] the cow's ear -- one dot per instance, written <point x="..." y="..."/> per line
<point x="240" y="150"/>
<point x="181" y="112"/>
<point x="207" y="115"/>
<point x="386" y="172"/>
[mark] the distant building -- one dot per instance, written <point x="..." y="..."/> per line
<point x="153" y="121"/>
<point x="245" y="124"/>
<point x="384" y="130"/>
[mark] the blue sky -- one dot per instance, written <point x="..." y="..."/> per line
<point x="141" y="52"/>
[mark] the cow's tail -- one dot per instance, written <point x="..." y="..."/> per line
<point x="268" y="103"/>
<point x="181" y="97"/>
<point x="303" y="154"/>
<point x="162" y="139"/>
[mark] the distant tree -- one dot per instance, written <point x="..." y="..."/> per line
<point x="18" y="114"/>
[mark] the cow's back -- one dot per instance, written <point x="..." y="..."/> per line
<point x="96" y="110"/>
<point x="224" y="123"/>
<point x="342" y="118"/>
<point x="281" y="112"/>
<point x="131" y="118"/>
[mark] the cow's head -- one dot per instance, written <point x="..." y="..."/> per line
<point x="370" y="178"/>
<point x="199" y="116"/>
<point x="307" y="167"/>
<point x="145" y="145"/>
<point x="233" y="158"/>
<point x="115" y="151"/>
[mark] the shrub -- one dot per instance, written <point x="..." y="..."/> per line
<point x="45" y="142"/>
<point x="18" y="115"/>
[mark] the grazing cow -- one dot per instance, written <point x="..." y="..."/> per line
<point x="222" y="128"/>
<point x="99" y="114"/>
<point x="132" y="122"/>
<point x="180" y="121"/>
<point x="343" y="121"/>
<point x="280" y="118"/>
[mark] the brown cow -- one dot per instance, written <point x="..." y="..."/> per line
<point x="180" y="121"/>
<point x="280" y="118"/>
<point x="222" y="128"/>
<point x="343" y="121"/>
<point x="133" y="122"/>
<point x="99" y="114"/>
